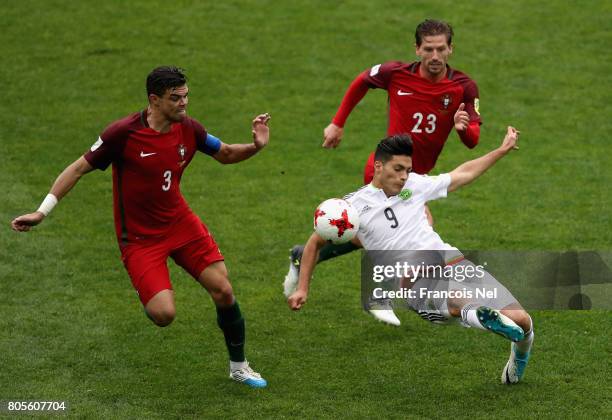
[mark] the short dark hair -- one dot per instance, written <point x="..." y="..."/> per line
<point x="399" y="144"/>
<point x="163" y="78"/>
<point x="430" y="27"/>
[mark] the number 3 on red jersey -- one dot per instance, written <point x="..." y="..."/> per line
<point x="167" y="180"/>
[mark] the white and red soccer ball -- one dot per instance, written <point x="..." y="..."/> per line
<point x="336" y="220"/>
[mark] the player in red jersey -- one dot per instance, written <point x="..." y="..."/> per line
<point x="427" y="99"/>
<point x="149" y="151"/>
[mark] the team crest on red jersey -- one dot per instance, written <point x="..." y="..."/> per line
<point x="182" y="150"/>
<point x="446" y="100"/>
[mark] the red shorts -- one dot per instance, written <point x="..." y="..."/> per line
<point x="368" y="171"/>
<point x="188" y="243"/>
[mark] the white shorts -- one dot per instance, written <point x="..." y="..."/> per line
<point x="433" y="294"/>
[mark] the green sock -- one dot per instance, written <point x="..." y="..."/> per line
<point x="332" y="251"/>
<point x="231" y="322"/>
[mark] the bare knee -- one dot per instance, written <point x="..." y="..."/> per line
<point x="455" y="305"/>
<point x="222" y="295"/>
<point x="524" y="321"/>
<point x="162" y="318"/>
<point x="160" y="309"/>
<point x="214" y="278"/>
<point x="520" y="317"/>
<point x="454" y="308"/>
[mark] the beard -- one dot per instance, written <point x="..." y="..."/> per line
<point x="176" y="116"/>
<point x="436" y="67"/>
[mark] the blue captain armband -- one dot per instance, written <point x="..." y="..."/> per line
<point x="211" y="145"/>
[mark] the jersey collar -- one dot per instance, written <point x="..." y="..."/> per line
<point x="379" y="192"/>
<point x="143" y="118"/>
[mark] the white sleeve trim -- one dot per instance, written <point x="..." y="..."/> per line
<point x="446" y="181"/>
<point x="374" y="70"/>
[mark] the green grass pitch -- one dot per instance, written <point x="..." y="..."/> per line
<point x="72" y="329"/>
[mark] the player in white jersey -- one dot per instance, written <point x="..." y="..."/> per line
<point x="393" y="220"/>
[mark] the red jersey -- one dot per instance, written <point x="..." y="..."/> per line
<point x="421" y="108"/>
<point x="147" y="170"/>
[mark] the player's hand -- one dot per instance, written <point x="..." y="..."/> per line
<point x="297" y="300"/>
<point x="27" y="221"/>
<point x="511" y="140"/>
<point x="261" y="131"/>
<point x="332" y="135"/>
<point x="462" y="118"/>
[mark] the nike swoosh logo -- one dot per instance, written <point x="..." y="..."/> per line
<point x="143" y="154"/>
<point x="402" y="93"/>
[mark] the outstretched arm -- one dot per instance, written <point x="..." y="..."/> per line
<point x="469" y="171"/>
<point x="307" y="265"/>
<point x="310" y="256"/>
<point x="64" y="183"/>
<point x="234" y="153"/>
<point x="332" y="135"/>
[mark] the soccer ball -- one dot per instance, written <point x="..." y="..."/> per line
<point x="336" y="220"/>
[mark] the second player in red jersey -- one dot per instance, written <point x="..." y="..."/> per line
<point x="426" y="99"/>
<point x="422" y="108"/>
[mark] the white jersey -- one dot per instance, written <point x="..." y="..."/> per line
<point x="399" y="222"/>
